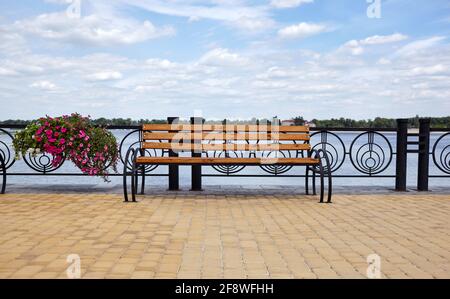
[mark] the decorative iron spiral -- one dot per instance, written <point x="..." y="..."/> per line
<point x="333" y="145"/>
<point x="279" y="169"/>
<point x="5" y="149"/>
<point x="148" y="152"/>
<point x="368" y="156"/>
<point x="274" y="168"/>
<point x="227" y="169"/>
<point x="42" y="162"/>
<point x="441" y="156"/>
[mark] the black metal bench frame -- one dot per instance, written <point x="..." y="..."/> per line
<point x="134" y="169"/>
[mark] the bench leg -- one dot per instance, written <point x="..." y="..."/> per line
<point x="134" y="182"/>
<point x="329" y="176"/>
<point x="307" y="177"/>
<point x="142" y="153"/>
<point x="314" y="182"/>
<point x="330" y="186"/>
<point x="307" y="180"/>
<point x="325" y="170"/>
<point x="143" y="180"/>
<point x="321" y="173"/>
<point x="3" y="169"/>
<point x="131" y="153"/>
<point x="322" y="181"/>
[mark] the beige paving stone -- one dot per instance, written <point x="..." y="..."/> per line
<point x="224" y="236"/>
<point x="27" y="271"/>
<point x="142" y="274"/>
<point x="47" y="275"/>
<point x="123" y="269"/>
<point x="94" y="275"/>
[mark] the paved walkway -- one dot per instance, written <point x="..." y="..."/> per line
<point x="219" y="234"/>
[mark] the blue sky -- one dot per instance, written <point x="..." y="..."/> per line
<point x="227" y="58"/>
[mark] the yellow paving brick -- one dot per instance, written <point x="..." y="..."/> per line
<point x="224" y="236"/>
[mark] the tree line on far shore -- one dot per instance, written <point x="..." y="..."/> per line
<point x="379" y="122"/>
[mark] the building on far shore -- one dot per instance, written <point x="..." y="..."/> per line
<point x="291" y="122"/>
<point x="310" y="124"/>
<point x="288" y="122"/>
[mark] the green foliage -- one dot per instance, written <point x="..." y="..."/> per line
<point x="379" y="122"/>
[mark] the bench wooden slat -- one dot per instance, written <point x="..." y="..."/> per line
<point x="224" y="128"/>
<point x="225" y="161"/>
<point x="223" y="136"/>
<point x="223" y="147"/>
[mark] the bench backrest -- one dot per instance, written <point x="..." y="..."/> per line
<point x="184" y="137"/>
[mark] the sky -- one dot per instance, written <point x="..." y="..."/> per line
<point x="234" y="59"/>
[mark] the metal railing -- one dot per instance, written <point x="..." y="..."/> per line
<point x="367" y="153"/>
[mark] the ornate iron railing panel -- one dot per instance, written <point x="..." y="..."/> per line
<point x="5" y="148"/>
<point x="440" y="153"/>
<point x="369" y="153"/>
<point x="354" y="153"/>
<point x="360" y="156"/>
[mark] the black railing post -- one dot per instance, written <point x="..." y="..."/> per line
<point x="196" y="172"/>
<point x="174" y="171"/>
<point x="402" y="155"/>
<point x="424" y="154"/>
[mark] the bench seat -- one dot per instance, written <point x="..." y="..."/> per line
<point x="225" y="161"/>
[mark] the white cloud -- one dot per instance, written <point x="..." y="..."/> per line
<point x="7" y="72"/>
<point x="419" y="46"/>
<point x="44" y="85"/>
<point x="222" y="57"/>
<point x="92" y="30"/>
<point x="356" y="47"/>
<point x="160" y="63"/>
<point x="353" y="46"/>
<point x="193" y="19"/>
<point x="289" y="3"/>
<point x="383" y="39"/>
<point x="301" y="30"/>
<point x="430" y="70"/>
<point x="11" y="43"/>
<point x="222" y="82"/>
<point x="253" y="24"/>
<point x="105" y="76"/>
<point x="237" y="14"/>
<point x="59" y="1"/>
<point x="384" y="61"/>
<point x="215" y="10"/>
<point x="231" y="83"/>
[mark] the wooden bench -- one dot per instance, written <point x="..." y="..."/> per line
<point x="260" y="143"/>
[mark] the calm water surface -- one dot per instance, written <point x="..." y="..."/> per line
<point x="346" y="169"/>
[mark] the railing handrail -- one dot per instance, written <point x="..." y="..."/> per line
<point x="337" y="129"/>
<point x="112" y="127"/>
<point x="344" y="151"/>
<point x="135" y="127"/>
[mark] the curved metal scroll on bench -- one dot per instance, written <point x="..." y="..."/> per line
<point x="324" y="170"/>
<point x="130" y="169"/>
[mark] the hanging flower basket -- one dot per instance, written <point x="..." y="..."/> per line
<point x="92" y="149"/>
